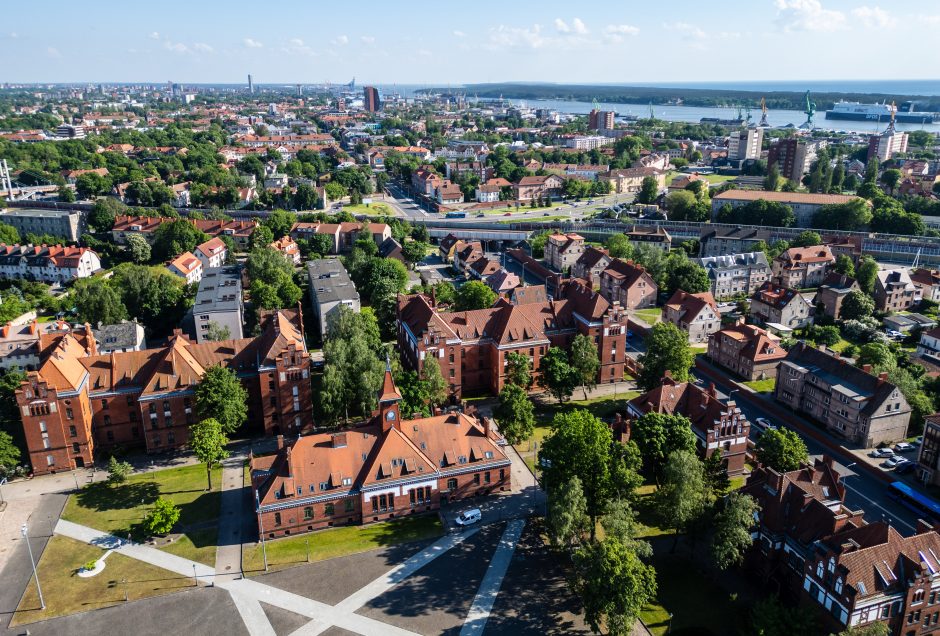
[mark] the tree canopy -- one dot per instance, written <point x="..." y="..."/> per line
<point x="667" y="349"/>
<point x="781" y="449"/>
<point x="220" y="395"/>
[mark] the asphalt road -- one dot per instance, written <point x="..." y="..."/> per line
<point x="862" y="490"/>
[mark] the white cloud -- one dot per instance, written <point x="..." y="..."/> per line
<point x="203" y="47"/>
<point x="176" y="47"/>
<point x="620" y="30"/>
<point x="252" y="44"/>
<point x="295" y="42"/>
<point x="688" y="30"/>
<point x="579" y="27"/>
<point x="505" y="37"/>
<point x="807" y="15"/>
<point x="14" y="35"/>
<point x="154" y="36"/>
<point x="460" y="34"/>
<point x="561" y="26"/>
<point x="340" y="39"/>
<point x="874" y="17"/>
<point x="367" y="39"/>
<point x="929" y="19"/>
<point x="53" y="52"/>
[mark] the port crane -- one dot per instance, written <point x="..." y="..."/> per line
<point x="763" y="117"/>
<point x="810" y="111"/>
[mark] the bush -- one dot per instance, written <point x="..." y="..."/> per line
<point x="90" y="565"/>
<point x="850" y="351"/>
<point x="118" y="470"/>
<point x="162" y="517"/>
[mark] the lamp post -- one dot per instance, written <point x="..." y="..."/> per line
<point x="124" y="582"/>
<point x="25" y="532"/>
<point x="2" y="481"/>
<point x="264" y="552"/>
<point x="195" y="580"/>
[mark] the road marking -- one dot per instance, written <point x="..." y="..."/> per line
<point x="489" y="587"/>
<point x="894" y="518"/>
<point x="252" y="615"/>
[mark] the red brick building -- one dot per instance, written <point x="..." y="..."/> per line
<point x="79" y="402"/>
<point x="472" y="346"/>
<point x="629" y="284"/>
<point x="718" y="427"/>
<point x="384" y="469"/>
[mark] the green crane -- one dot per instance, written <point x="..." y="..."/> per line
<point x="810" y="111"/>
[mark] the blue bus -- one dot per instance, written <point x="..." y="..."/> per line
<point x="919" y="503"/>
<point x="455" y="215"/>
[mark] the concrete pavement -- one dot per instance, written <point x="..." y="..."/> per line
<point x="232" y="519"/>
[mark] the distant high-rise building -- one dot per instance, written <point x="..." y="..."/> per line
<point x="794" y="157"/>
<point x="887" y="144"/>
<point x="601" y="120"/>
<point x="300" y="90"/>
<point x="745" y="144"/>
<point x="251" y="86"/>
<point x="370" y="99"/>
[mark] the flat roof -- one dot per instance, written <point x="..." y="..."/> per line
<point x="329" y="281"/>
<point x="38" y="212"/>
<point x="219" y="290"/>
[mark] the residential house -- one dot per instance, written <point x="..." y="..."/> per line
<point x="590" y="264"/>
<point x="928" y="457"/>
<point x="425" y="181"/>
<point x="448" y="193"/>
<point x="721" y="241"/>
<point x="563" y="250"/>
<point x="471" y="346"/>
<point x="629" y="284"/>
<point x="735" y="275"/>
<point x="388" y="467"/>
<point x="483" y="268"/>
<point x="187" y="267"/>
<point x="929" y="345"/>
<point x="47" y="263"/>
<point x="486" y="193"/>
<point x="748" y="351"/>
<point x="772" y="304"/>
<point x="466" y="253"/>
<point x="219" y="301"/>
<point x="121" y="337"/>
<point x="212" y="253"/>
<point x="330" y="288"/>
<point x="802" y="267"/>
<point x="683" y="181"/>
<point x="342" y="235"/>
<point x="538" y="187"/>
<point x="656" y="237"/>
<point x="80" y="404"/>
<point x="851" y="402"/>
<point x="390" y="248"/>
<point x="503" y="282"/>
<point x="19" y="343"/>
<point x="895" y="291"/>
<point x="446" y="247"/>
<point x="718" y="427"/>
<point x="630" y="180"/>
<point x="695" y="314"/>
<point x="833" y="290"/>
<point x="928" y="281"/>
<point x="239" y="231"/>
<point x="288" y="247"/>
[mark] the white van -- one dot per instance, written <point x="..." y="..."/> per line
<point x="469" y="517"/>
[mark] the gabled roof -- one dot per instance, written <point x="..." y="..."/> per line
<point x="776" y="296"/>
<point x="593" y="256"/>
<point x="794" y="256"/>
<point x="691" y="305"/>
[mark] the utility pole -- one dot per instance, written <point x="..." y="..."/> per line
<point x="25" y="531"/>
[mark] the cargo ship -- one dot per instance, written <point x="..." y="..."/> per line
<point x="856" y="111"/>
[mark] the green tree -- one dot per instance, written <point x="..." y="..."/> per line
<point x="649" y="190"/>
<point x="322" y="244"/>
<point x="585" y="362"/>
<point x="853" y="215"/>
<point x="680" y="499"/>
<point x="518" y="370"/>
<point x="474" y="295"/>
<point x="856" y="305"/>
<point x="844" y="265"/>
<point x="878" y="355"/>
<point x="65" y="194"/>
<point x="770" y="617"/>
<point x="218" y="332"/>
<point x="658" y="435"/>
<point x="682" y="205"/>
<point x="621" y="522"/>
<point x="687" y="275"/>
<point x="96" y="301"/>
<point x="732" y="536"/>
<point x="781" y="449"/>
<point x="220" y="395"/>
<point x="353" y="372"/>
<point x="280" y="222"/>
<point x="772" y="179"/>
<point x="618" y="246"/>
<point x="891" y="178"/>
<point x="567" y="513"/>
<point x="207" y="440"/>
<point x="118" y="470"/>
<point x="445" y="293"/>
<point x="306" y="197"/>
<point x="580" y="445"/>
<point x="414" y="252"/>
<point x="152" y="294"/>
<point x="9" y="235"/>
<point x="162" y="517"/>
<point x="92" y="184"/>
<point x="514" y="414"/>
<point x="717" y="481"/>
<point x="334" y="191"/>
<point x="9" y="453"/>
<point x="866" y="273"/>
<point x="173" y="238"/>
<point x="667" y="349"/>
<point x="614" y="585"/>
<point x="261" y="238"/>
<point x="807" y="238"/>
<point x="873" y="629"/>
<point x="828" y="335"/>
<point x="558" y="376"/>
<point x="434" y="382"/>
<point x="138" y="248"/>
<point x="759" y="212"/>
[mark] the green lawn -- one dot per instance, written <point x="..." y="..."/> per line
<point x="374" y="209"/>
<point x="718" y="178"/>
<point x="66" y="593"/>
<point x="761" y="386"/>
<point x="540" y="219"/>
<point x="119" y="509"/>
<point x="337" y="542"/>
<point x="841" y="345"/>
<point x="646" y="514"/>
<point x="650" y="316"/>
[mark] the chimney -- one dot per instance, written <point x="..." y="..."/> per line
<point x="882" y="378"/>
<point x="280" y="442"/>
<point x="487" y="427"/>
<point x="339" y="440"/>
<point x="866" y="368"/>
<point x="712" y="391"/>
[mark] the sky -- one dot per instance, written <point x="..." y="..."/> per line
<point x="449" y="43"/>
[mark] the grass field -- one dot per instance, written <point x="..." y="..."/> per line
<point x="337" y="542"/>
<point x="66" y="593"/>
<point x="649" y="316"/>
<point x="374" y="209"/>
<point x="119" y="509"/>
<point x="719" y="178"/>
<point x="761" y="386"/>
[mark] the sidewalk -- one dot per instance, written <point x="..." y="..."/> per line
<point x="228" y="555"/>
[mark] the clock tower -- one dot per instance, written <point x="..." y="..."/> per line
<point x="389" y="398"/>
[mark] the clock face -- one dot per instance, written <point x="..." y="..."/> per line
<point x="390" y="415"/>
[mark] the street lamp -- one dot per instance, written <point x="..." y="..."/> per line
<point x="124" y="582"/>
<point x="25" y="532"/>
<point x="264" y="552"/>
<point x="195" y="580"/>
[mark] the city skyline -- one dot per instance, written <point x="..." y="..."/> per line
<point x="633" y="44"/>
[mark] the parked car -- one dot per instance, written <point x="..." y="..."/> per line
<point x="764" y="423"/>
<point x="881" y="452"/>
<point x="892" y="333"/>
<point x="468" y="517"/>
<point x="891" y="462"/>
<point x="905" y="467"/>
<point x="903" y="447"/>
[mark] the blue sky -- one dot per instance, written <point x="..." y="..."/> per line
<point x="479" y="41"/>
